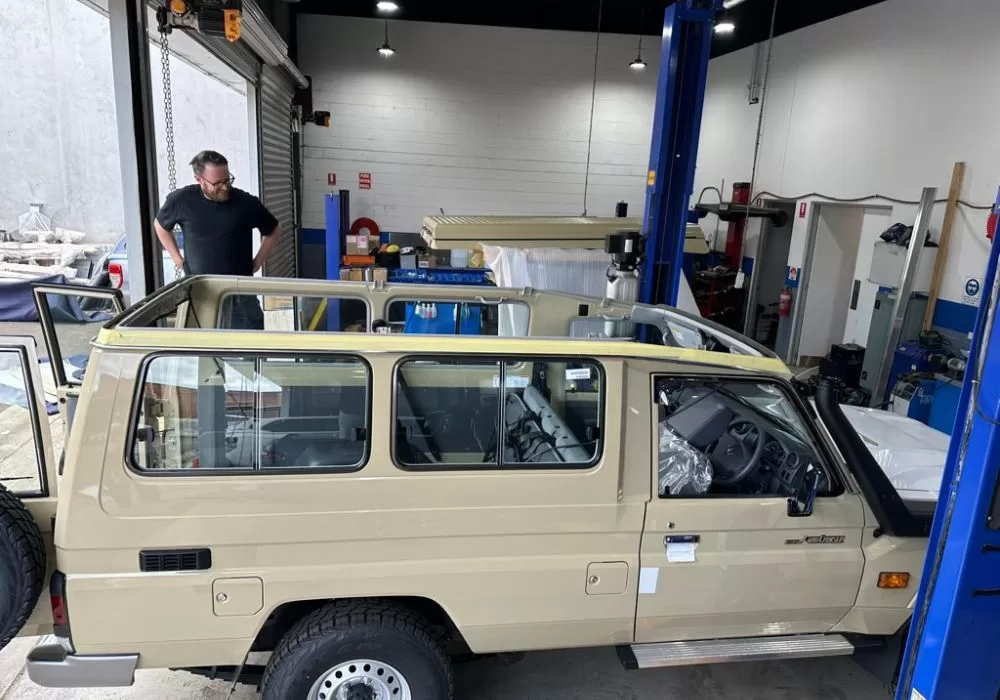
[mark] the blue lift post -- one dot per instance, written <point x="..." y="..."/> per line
<point x="680" y="94"/>
<point x="951" y="650"/>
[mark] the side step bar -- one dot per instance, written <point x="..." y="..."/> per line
<point x="715" y="651"/>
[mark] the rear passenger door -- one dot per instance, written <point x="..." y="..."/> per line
<point x="722" y="560"/>
<point x="28" y="425"/>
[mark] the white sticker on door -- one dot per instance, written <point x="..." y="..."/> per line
<point x="681" y="552"/>
<point x="647" y="580"/>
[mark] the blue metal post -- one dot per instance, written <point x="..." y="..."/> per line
<point x="334" y="237"/>
<point x="951" y="650"/>
<point x="680" y="93"/>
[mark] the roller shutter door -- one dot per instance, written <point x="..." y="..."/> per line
<point x="277" y="153"/>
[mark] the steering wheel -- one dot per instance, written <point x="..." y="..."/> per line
<point x="731" y="458"/>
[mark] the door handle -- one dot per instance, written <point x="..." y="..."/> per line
<point x="681" y="539"/>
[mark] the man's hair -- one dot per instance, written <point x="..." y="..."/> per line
<point x="207" y="158"/>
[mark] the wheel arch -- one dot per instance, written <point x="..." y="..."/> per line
<point x="284" y="616"/>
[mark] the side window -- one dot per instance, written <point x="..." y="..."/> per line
<point x="505" y="413"/>
<point x="733" y="438"/>
<point x="248" y="413"/>
<point x="20" y="439"/>
<point x="443" y="317"/>
<point x="274" y="312"/>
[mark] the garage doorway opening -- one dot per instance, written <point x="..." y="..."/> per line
<point x="768" y="281"/>
<point x="834" y="299"/>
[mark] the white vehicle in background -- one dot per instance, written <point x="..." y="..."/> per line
<point x="115" y="265"/>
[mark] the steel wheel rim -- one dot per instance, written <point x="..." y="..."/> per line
<point x="361" y="678"/>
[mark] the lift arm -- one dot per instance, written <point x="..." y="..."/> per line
<point x="680" y="94"/>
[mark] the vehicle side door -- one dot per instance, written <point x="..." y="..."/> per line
<point x="726" y="557"/>
<point x="71" y="316"/>
<point x="28" y="425"/>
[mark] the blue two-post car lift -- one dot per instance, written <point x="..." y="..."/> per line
<point x="680" y="93"/>
<point x="949" y="653"/>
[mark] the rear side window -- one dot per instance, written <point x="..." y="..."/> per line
<point x="515" y="413"/>
<point x="212" y="413"/>
<point x="21" y="465"/>
<point x="444" y="317"/>
<point x="276" y="312"/>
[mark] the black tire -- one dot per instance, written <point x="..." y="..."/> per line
<point x="22" y="565"/>
<point x="373" y="630"/>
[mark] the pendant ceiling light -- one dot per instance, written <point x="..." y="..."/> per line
<point x="386" y="50"/>
<point x="637" y="63"/>
<point x="386" y="6"/>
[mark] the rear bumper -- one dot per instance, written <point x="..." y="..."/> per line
<point x="50" y="665"/>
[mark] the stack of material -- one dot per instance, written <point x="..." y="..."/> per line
<point x="27" y="260"/>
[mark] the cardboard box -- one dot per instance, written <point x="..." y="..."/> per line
<point x="278" y="303"/>
<point x="357" y="275"/>
<point x="380" y="274"/>
<point x="426" y="262"/>
<point x="345" y="273"/>
<point x="357" y="245"/>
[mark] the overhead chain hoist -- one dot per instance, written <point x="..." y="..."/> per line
<point x="208" y="17"/>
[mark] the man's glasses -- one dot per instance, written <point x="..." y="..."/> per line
<point x="228" y="181"/>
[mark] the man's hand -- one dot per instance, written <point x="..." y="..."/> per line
<point x="267" y="244"/>
<point x="169" y="244"/>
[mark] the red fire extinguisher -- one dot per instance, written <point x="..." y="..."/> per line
<point x="785" y="302"/>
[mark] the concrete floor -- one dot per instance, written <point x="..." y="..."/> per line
<point x="584" y="674"/>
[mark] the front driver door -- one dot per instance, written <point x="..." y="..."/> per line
<point x="727" y="559"/>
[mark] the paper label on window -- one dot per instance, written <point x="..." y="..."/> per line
<point x="647" y="580"/>
<point x="578" y="373"/>
<point x="513" y="382"/>
<point x="916" y="695"/>
<point x="681" y="552"/>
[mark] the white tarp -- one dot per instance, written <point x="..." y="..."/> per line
<point x="573" y="271"/>
<point x="910" y="453"/>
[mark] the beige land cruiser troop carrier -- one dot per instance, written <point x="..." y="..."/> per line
<point x="366" y="506"/>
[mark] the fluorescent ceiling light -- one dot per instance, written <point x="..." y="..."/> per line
<point x="386" y="6"/>
<point x="725" y="27"/>
<point x="729" y="4"/>
<point x="637" y="64"/>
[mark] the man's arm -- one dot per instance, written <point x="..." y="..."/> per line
<point x="267" y="243"/>
<point x="169" y="243"/>
<point x="164" y="223"/>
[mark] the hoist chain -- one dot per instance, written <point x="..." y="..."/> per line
<point x="168" y="104"/>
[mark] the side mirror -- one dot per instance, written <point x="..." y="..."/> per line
<point x="801" y="504"/>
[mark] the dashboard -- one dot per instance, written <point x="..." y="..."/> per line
<point x="780" y="465"/>
<point x="728" y="430"/>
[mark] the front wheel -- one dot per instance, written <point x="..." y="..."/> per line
<point x="359" y="651"/>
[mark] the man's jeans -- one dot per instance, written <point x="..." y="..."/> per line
<point x="242" y="312"/>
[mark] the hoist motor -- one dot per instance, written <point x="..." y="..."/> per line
<point x="207" y="17"/>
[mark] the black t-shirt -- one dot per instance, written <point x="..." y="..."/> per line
<point x="218" y="236"/>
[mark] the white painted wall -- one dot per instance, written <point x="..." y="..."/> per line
<point x="870" y="102"/>
<point x="58" y="131"/>
<point x="490" y="120"/>
<point x="473" y="120"/>
<point x="831" y="275"/>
